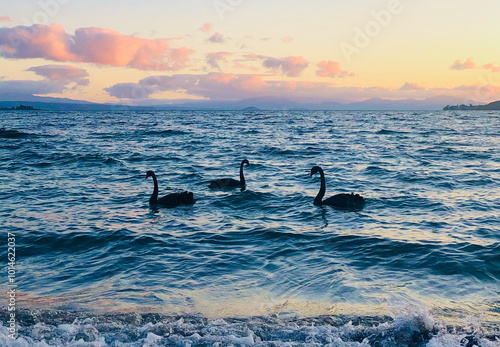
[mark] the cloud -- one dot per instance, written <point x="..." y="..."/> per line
<point x="492" y="67"/>
<point x="228" y="86"/>
<point x="214" y="58"/>
<point x="238" y="64"/>
<point x="37" y="41"/>
<point x="5" y="19"/>
<point x="64" y="74"/>
<point x="56" y="79"/>
<point x="287" y="39"/>
<point x="91" y="45"/>
<point x="290" y="66"/>
<point x="411" y="86"/>
<point x="469" y="64"/>
<point x="129" y="91"/>
<point x="215" y="86"/>
<point x="151" y="85"/>
<point x="458" y="65"/>
<point x="217" y="38"/>
<point x="206" y="27"/>
<point x="31" y="87"/>
<point x="331" y="69"/>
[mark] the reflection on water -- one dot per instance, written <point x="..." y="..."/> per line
<point x="89" y="240"/>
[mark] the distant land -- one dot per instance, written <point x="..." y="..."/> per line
<point x="492" y="106"/>
<point x="9" y="100"/>
<point x="19" y="108"/>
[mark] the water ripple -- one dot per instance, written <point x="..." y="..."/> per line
<point x="73" y="192"/>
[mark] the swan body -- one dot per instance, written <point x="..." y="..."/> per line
<point x="170" y="200"/>
<point x="345" y="201"/>
<point x="230" y="182"/>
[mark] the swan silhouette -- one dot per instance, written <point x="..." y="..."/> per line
<point x="344" y="201"/>
<point x="170" y="200"/>
<point x="230" y="182"/>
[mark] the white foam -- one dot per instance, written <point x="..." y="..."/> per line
<point x="453" y="340"/>
<point x="151" y="339"/>
<point x="414" y="323"/>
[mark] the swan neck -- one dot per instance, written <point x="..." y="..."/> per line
<point x="242" y="177"/>
<point x="154" y="196"/>
<point x="319" y="198"/>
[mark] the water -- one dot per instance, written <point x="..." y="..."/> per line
<point x="95" y="265"/>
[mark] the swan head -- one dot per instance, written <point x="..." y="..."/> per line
<point x="245" y="161"/>
<point x="314" y="170"/>
<point x="149" y="174"/>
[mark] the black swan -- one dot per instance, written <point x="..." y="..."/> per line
<point x="229" y="182"/>
<point x="345" y="201"/>
<point x="170" y="200"/>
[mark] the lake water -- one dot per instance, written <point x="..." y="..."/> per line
<point x="97" y="266"/>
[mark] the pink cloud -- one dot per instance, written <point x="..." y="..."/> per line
<point x="287" y="39"/>
<point x="290" y="66"/>
<point x="253" y="56"/>
<point x="151" y="85"/>
<point x="483" y="93"/>
<point x="209" y="85"/>
<point x="227" y="86"/>
<point x="458" y="65"/>
<point x="241" y="66"/>
<point x="487" y="91"/>
<point x="492" y="67"/>
<point x="331" y="69"/>
<point x="37" y="41"/>
<point x="248" y="83"/>
<point x="411" y="86"/>
<point x="218" y="78"/>
<point x="64" y="74"/>
<point x="5" y="19"/>
<point x="91" y="45"/>
<point x="214" y="58"/>
<point x="216" y="86"/>
<point x="206" y="27"/>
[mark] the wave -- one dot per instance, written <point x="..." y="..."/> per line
<point x="67" y="328"/>
<point x="163" y="132"/>
<point x="78" y="203"/>
<point x="391" y="132"/>
<point x="13" y="134"/>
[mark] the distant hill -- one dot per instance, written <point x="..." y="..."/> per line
<point x="271" y="103"/>
<point x="63" y="106"/>
<point x="495" y="105"/>
<point x="492" y="106"/>
<point x="9" y="100"/>
<point x="17" y="97"/>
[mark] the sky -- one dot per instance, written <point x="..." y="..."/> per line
<point x="168" y="51"/>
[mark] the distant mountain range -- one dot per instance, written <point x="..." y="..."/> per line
<point x="8" y="100"/>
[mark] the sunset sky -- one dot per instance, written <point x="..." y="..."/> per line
<point x="148" y="51"/>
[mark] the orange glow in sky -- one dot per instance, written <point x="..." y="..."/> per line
<point x="135" y="51"/>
